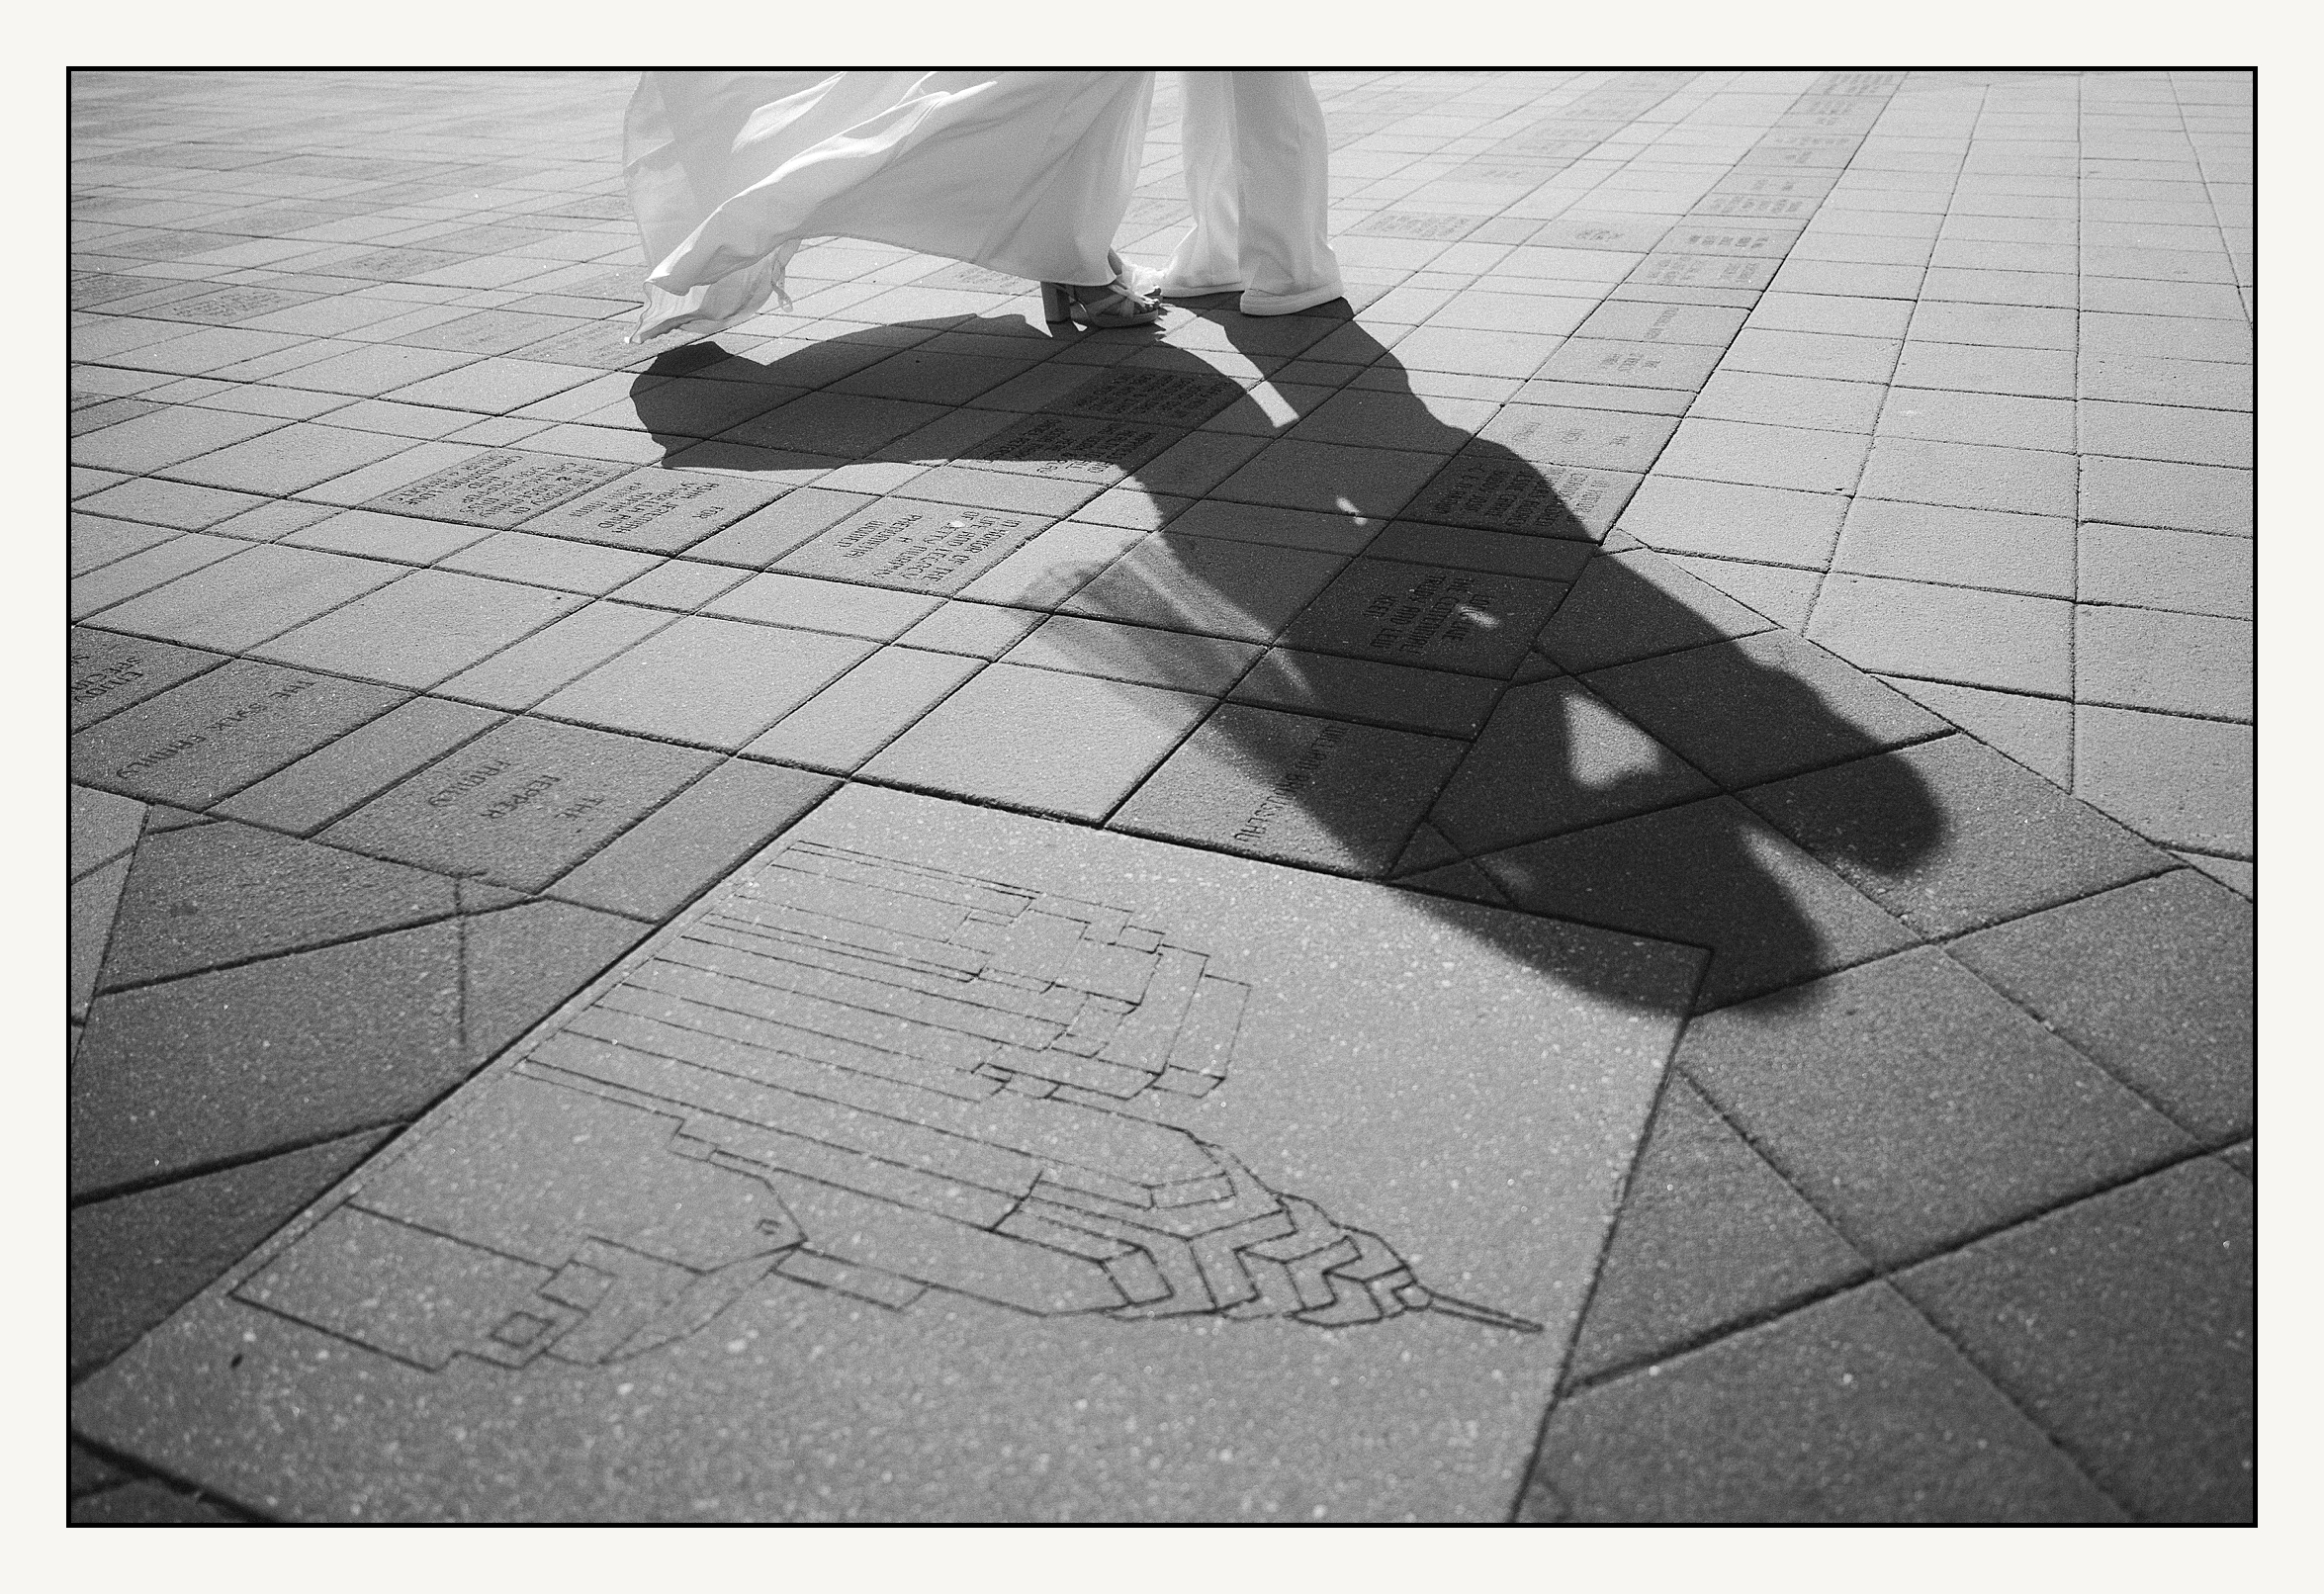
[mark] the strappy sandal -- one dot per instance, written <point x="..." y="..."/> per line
<point x="1114" y="303"/>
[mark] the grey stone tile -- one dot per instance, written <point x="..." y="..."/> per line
<point x="100" y="826"/>
<point x="371" y="370"/>
<point x="418" y="631"/>
<point x="92" y="542"/>
<point x="1625" y="363"/>
<point x="2124" y="1326"/>
<point x="290" y="460"/>
<point x="1852" y="1410"/>
<point x="257" y="593"/>
<point x="805" y="604"/>
<point x="658" y="865"/>
<point x="1036" y="739"/>
<point x="2152" y="568"/>
<point x="1965" y="635"/>
<point x="1761" y="706"/>
<point x="2002" y="420"/>
<point x="1393" y="695"/>
<point x="1633" y="321"/>
<point x="1832" y="312"/>
<point x="91" y="904"/>
<point x="2151" y="379"/>
<point x="1139" y="654"/>
<point x="978" y="629"/>
<point x="2154" y="979"/>
<point x="2146" y="432"/>
<point x="2038" y="372"/>
<point x="2183" y="782"/>
<point x="708" y="680"/>
<point x="1639" y="604"/>
<point x="2036" y="731"/>
<point x="1322" y="793"/>
<point x="2022" y="480"/>
<point x="1298" y="474"/>
<point x="548" y="562"/>
<point x="1553" y="758"/>
<point x="144" y="1502"/>
<point x="2165" y="337"/>
<point x="1366" y="418"/>
<point x="135" y="1258"/>
<point x="1705" y="874"/>
<point x="2014" y="326"/>
<point x="1708" y="1235"/>
<point x="1988" y="548"/>
<point x="657" y="511"/>
<point x="1206" y="584"/>
<point x="1917" y="1108"/>
<point x="2149" y="492"/>
<point x="2152" y="659"/>
<point x="520" y="675"/>
<point x="145" y="569"/>
<point x="1492" y="352"/>
<point x="1550" y="435"/>
<point x="108" y="671"/>
<point x="1320" y="532"/>
<point x="1948" y="834"/>
<point x="1802" y="459"/>
<point x="1736" y="521"/>
<point x="767" y="535"/>
<point x="913" y="546"/>
<point x="1486" y="486"/>
<point x="521" y="804"/>
<point x="177" y="504"/>
<point x="501" y="488"/>
<point x="863" y="710"/>
<point x="1831" y="356"/>
<point x="358" y="765"/>
<point x="1818" y="401"/>
<point x="1434" y="617"/>
<point x="219" y="732"/>
<point x="1474" y="548"/>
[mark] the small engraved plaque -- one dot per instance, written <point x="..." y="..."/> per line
<point x="1606" y="439"/>
<point x="657" y="511"/>
<point x="1758" y="242"/>
<point x="1772" y="206"/>
<point x="501" y="488"/>
<point x="1069" y="449"/>
<point x="1470" y="621"/>
<point x="1170" y="397"/>
<point x="228" y="304"/>
<point x="393" y="265"/>
<point x="918" y="547"/>
<point x="1503" y="494"/>
<point x="1416" y="224"/>
<point x="1599" y="235"/>
<point x="1706" y="271"/>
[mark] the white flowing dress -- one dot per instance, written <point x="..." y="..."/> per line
<point x="730" y="172"/>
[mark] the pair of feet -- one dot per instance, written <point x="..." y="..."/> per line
<point x="1129" y="300"/>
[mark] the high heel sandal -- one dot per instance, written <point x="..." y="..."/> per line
<point x="1116" y="303"/>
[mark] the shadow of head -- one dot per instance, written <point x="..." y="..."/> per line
<point x="1320" y="608"/>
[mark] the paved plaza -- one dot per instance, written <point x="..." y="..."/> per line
<point x="1609" y="882"/>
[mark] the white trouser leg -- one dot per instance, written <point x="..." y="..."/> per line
<point x="1257" y="170"/>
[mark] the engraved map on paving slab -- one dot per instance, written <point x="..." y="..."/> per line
<point x="951" y="1164"/>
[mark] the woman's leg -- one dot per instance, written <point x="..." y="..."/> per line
<point x="1285" y="250"/>
<point x="1205" y="260"/>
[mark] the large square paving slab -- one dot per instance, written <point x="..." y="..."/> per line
<point x="943" y="1164"/>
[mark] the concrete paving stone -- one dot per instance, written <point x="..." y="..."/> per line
<point x="765" y="535"/>
<point x="1189" y="664"/>
<point x="399" y="419"/>
<point x="2142" y="379"/>
<point x="2182" y="783"/>
<point x="1037" y="739"/>
<point x="1948" y="834"/>
<point x="2050" y="288"/>
<point x="2036" y="372"/>
<point x="1851" y="1410"/>
<point x="138" y="1258"/>
<point x="1802" y="459"/>
<point x="2036" y="731"/>
<point x="2130" y="296"/>
<point x="2151" y="568"/>
<point x="524" y="961"/>
<point x="610" y="444"/>
<point x="370" y="535"/>
<point x="1969" y="636"/>
<point x="207" y="896"/>
<point x="2150" y="492"/>
<point x="863" y="710"/>
<point x="291" y="458"/>
<point x="1053" y="567"/>
<point x="1196" y="464"/>
<point x="2239" y="875"/>
<point x="658" y="865"/>
<point x="2140" y="431"/>
<point x="1545" y="559"/>
<point x="359" y="765"/>
<point x="712" y="681"/>
<point x="1209" y="585"/>
<point x="108" y="671"/>
<point x="1832" y="312"/>
<point x="370" y="371"/>
<point x="1488" y="487"/>
<point x="2003" y="420"/>
<point x="1736" y="521"/>
<point x="86" y="1471"/>
<point x="152" y="502"/>
<point x="2154" y="981"/>
<point x="419" y="630"/>
<point x="1722" y="275"/>
<point x="1553" y="758"/>
<point x="1392" y="695"/>
<point x="1559" y="393"/>
<point x="1410" y="421"/>
<point x="1297" y="475"/>
<point x="2155" y="659"/>
<point x="677" y="583"/>
<point x="2022" y="480"/>
<point x="1867" y="249"/>
<point x="849" y="426"/>
<point x="1705" y="874"/>
<point x="548" y="562"/>
<point x="1782" y="593"/>
<point x="1987" y="548"/>
<point x="1541" y="319"/>
<point x="1428" y="615"/>
<point x="499" y="487"/>
<point x="1010" y="492"/>
<point x="1630" y="363"/>
<point x="90" y="415"/>
<point x="220" y="349"/>
<point x="1748" y="396"/>
<point x="1852" y="277"/>
<point x="486" y="331"/>
<point x="258" y="591"/>
<point x="100" y="826"/>
<point x="180" y="1076"/>
<point x="1549" y="435"/>
<point x="1645" y="321"/>
<point x="674" y="409"/>
<point x="1708" y="1236"/>
<point x="1917" y="1108"/>
<point x="2017" y="326"/>
<point x="1293" y="788"/>
<point x="2166" y="337"/>
<point x="1749" y="710"/>
<point x="1630" y="606"/>
<point x="568" y="789"/>
<point x="91" y="905"/>
<point x="1827" y="355"/>
<point x="2123" y="1325"/>
<point x="976" y="629"/>
<point x="1328" y="533"/>
<point x="144" y="1502"/>
<point x="217" y="733"/>
<point x="166" y="438"/>
<point x="909" y="545"/>
<point x="657" y="511"/>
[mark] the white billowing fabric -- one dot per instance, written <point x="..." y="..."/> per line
<point x="729" y="172"/>
<point x="1257" y="169"/>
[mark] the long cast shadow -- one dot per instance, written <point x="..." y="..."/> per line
<point x="1432" y="665"/>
